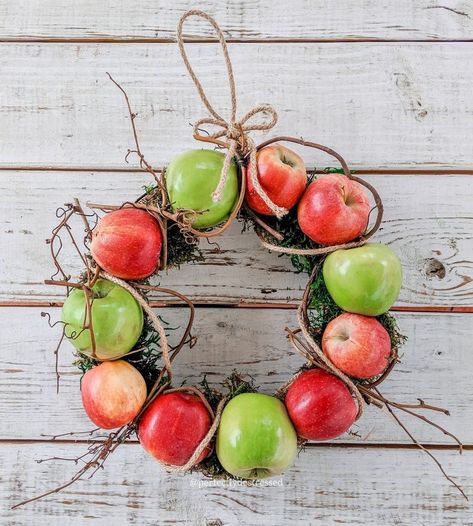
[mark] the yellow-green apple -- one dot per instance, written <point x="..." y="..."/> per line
<point x="320" y="405"/>
<point x="117" y="320"/>
<point x="127" y="243"/>
<point x="333" y="210"/>
<point x="191" y="179"/>
<point x="255" y="438"/>
<point x="282" y="175"/>
<point x="364" y="280"/>
<point x="358" y="345"/>
<point x="113" y="393"/>
<point x="173" y="426"/>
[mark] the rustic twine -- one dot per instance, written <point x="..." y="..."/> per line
<point x="156" y="322"/>
<point x="205" y="442"/>
<point x="168" y="366"/>
<point x="235" y="131"/>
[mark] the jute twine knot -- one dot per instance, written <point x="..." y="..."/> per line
<point x="238" y="144"/>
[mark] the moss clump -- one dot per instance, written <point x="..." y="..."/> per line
<point x="182" y="246"/>
<point x="288" y="226"/>
<point x="322" y="309"/>
<point x="148" y="358"/>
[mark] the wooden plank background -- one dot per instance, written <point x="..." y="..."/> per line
<point x="388" y="84"/>
<point x="383" y="105"/>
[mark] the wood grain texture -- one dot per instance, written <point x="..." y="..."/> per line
<point x="246" y="19"/>
<point x="381" y="105"/>
<point x="435" y="367"/>
<point x="325" y="486"/>
<point x="428" y="221"/>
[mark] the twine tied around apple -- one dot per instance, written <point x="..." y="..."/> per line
<point x="154" y="318"/>
<point x="208" y="438"/>
<point x="238" y="144"/>
<point x="267" y="234"/>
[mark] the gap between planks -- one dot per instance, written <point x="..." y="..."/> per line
<point x="312" y="445"/>
<point x="359" y="171"/>
<point x="169" y="40"/>
<point x="247" y="305"/>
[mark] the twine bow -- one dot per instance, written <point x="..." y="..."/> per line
<point x="235" y="131"/>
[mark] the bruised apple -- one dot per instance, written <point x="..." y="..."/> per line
<point x="173" y="426"/>
<point x="282" y="175"/>
<point x="113" y="394"/>
<point x="358" y="345"/>
<point x="320" y="405"/>
<point x="333" y="210"/>
<point x="127" y="243"/>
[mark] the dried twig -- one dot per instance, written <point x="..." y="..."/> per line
<point x="424" y="449"/>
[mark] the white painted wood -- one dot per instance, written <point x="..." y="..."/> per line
<point x="379" y="104"/>
<point x="436" y="366"/>
<point x="330" y="486"/>
<point x="427" y="219"/>
<point x="403" y="19"/>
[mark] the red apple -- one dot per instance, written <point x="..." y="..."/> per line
<point x="173" y="426"/>
<point x="358" y="345"/>
<point x="282" y="175"/>
<point x="320" y="405"/>
<point x="127" y="243"/>
<point x="113" y="394"/>
<point x="333" y="210"/>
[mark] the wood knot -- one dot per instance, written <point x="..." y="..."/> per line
<point x="434" y="268"/>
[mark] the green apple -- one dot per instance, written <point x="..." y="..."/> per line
<point x="255" y="438"/>
<point x="192" y="177"/>
<point x="117" y="320"/>
<point x="364" y="280"/>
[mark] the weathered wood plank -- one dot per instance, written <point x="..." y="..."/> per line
<point x="380" y="105"/>
<point x="325" y="486"/>
<point x="435" y="366"/>
<point x="261" y="19"/>
<point x="428" y="221"/>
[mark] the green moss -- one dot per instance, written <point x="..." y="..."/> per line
<point x="288" y="226"/>
<point x="147" y="360"/>
<point x="182" y="247"/>
<point x="322" y="309"/>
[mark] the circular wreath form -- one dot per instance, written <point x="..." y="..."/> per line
<point x="152" y="355"/>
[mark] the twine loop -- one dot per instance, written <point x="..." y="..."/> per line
<point x="237" y="143"/>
